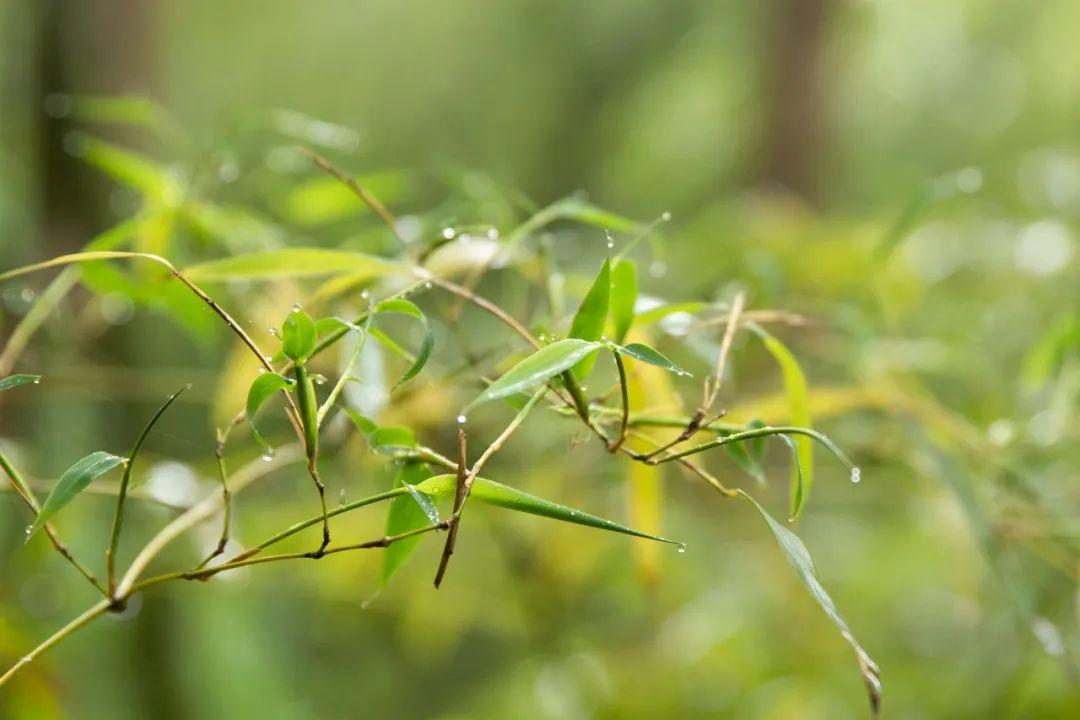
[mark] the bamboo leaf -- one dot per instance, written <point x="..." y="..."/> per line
<point x="644" y="353"/>
<point x="265" y="385"/>
<point x="655" y="315"/>
<point x="750" y="456"/>
<point x="799" y="404"/>
<point x="132" y="169"/>
<point x="624" y="291"/>
<point x="291" y="262"/>
<point x="404" y="307"/>
<point x="591" y="317"/>
<point x="584" y="212"/>
<point x="406" y="513"/>
<point x="72" y="482"/>
<point x="490" y="492"/>
<point x="298" y="336"/>
<point x="799" y="557"/>
<point x="325" y="199"/>
<point x="391" y="439"/>
<point x="13" y="381"/>
<point x="542" y="365"/>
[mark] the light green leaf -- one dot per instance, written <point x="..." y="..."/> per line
<point x="133" y="170"/>
<point x="326" y="199"/>
<point x="750" y="456"/>
<point x="265" y="385"/>
<point x="490" y="492"/>
<point x="407" y="513"/>
<point x="624" y="291"/>
<point x="391" y="439"/>
<point x="648" y="317"/>
<point x="72" y="482"/>
<point x="591" y="317"/>
<point x="364" y="424"/>
<point x="298" y="336"/>
<point x="799" y="407"/>
<point x="538" y="368"/>
<point x="585" y="212"/>
<point x="291" y="262"/>
<point x="13" y="381"/>
<point x="644" y="353"/>
<point x="404" y="307"/>
<point x="799" y="557"/>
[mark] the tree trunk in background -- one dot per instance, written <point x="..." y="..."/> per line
<point x="794" y="141"/>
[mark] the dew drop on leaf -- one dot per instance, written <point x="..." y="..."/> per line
<point x="461" y="419"/>
<point x="449" y="233"/>
<point x="666" y="217"/>
<point x="856" y="475"/>
<point x="268" y="454"/>
<point x="681" y="548"/>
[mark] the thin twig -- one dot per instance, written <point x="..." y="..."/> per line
<point x="460" y="492"/>
<point x="624" y="387"/>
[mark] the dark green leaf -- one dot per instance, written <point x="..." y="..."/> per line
<point x="537" y="369"/>
<point x="406" y="513"/>
<point x="404" y="307"/>
<point x="591" y="317"/>
<point x="799" y="557"/>
<point x="298" y="336"/>
<point x="72" y="482"/>
<point x="264" y="386"/>
<point x="624" y="291"/>
<point x="646" y="354"/>
<point x="13" y="381"/>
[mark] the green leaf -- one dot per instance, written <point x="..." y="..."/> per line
<point x="406" y="513"/>
<point x="298" y="336"/>
<point x="404" y="307"/>
<point x="538" y="368"/>
<point x="123" y="110"/>
<point x="364" y="424"/>
<point x="72" y="482"/>
<point x="624" y="291"/>
<point x="13" y="381"/>
<point x="392" y="439"/>
<point x="132" y="169"/>
<point x="646" y="354"/>
<point x="649" y="317"/>
<point x="291" y="262"/>
<point x="799" y="557"/>
<point x="576" y="209"/>
<point x="750" y="455"/>
<point x="591" y="317"/>
<point x="260" y="391"/>
<point x="326" y="199"/>
<point x="799" y="408"/>
<point x="490" y="492"/>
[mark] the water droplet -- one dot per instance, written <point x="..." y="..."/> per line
<point x="666" y="217"/>
<point x="856" y="475"/>
<point x="364" y="295"/>
<point x="461" y="419"/>
<point x="341" y="496"/>
<point x="37" y="381"/>
<point x="27" y="295"/>
<point x="274" y="331"/>
<point x="297" y="307"/>
<point x="318" y="379"/>
<point x="658" y="269"/>
<point x="493" y="234"/>
<point x="681" y="548"/>
<point x="268" y="454"/>
<point x="449" y="233"/>
<point x="427" y="286"/>
<point x="29" y="528"/>
<point x="610" y="240"/>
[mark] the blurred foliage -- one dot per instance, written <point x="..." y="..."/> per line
<point x="934" y="258"/>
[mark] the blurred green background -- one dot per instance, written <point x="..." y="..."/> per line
<point x="905" y="174"/>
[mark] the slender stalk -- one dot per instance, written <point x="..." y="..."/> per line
<point x="223" y="540"/>
<point x="125" y="481"/>
<point x="459" y="501"/>
<point x="625" y="391"/>
<point x="712" y="385"/>
<point x="60" y="286"/>
<point x="756" y="433"/>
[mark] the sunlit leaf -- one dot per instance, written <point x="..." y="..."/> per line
<point x="538" y="368"/>
<point x="326" y="199"/>
<point x="492" y="493"/>
<point x="298" y="335"/>
<point x="585" y="212"/>
<point x="291" y="262"/>
<point x="591" y="317"/>
<point x="265" y="385"/>
<point x="799" y="557"/>
<point x="624" y="291"/>
<point x="654" y="315"/>
<point x="13" y="381"/>
<point x="72" y="482"/>
<point x="406" y="513"/>
<point x="646" y="354"/>
<point x="799" y="405"/>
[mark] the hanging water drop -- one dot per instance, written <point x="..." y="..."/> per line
<point x="610" y="240"/>
<point x="856" y="475"/>
<point x="37" y="381"/>
<point x="274" y="331"/>
<point x="681" y="548"/>
<point x="29" y="529"/>
<point x="364" y="295"/>
<point x="297" y="307"/>
<point x="268" y="454"/>
<point x="666" y="217"/>
<point x="341" y="496"/>
<point x="461" y="419"/>
<point x="318" y="379"/>
<point x="449" y="233"/>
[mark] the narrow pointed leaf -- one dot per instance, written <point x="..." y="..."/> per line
<point x="265" y="385"/>
<point x="750" y="456"/>
<point x="538" y="368"/>
<point x="799" y="557"/>
<point x="392" y="439"/>
<point x="624" y="291"/>
<point x="129" y="168"/>
<point x="406" y="513"/>
<point x="298" y="336"/>
<point x="490" y="492"/>
<point x="591" y="317"/>
<point x="646" y="354"/>
<point x="291" y="262"/>
<point x="799" y="406"/>
<point x="72" y="482"/>
<point x="13" y="381"/>
<point x="404" y="307"/>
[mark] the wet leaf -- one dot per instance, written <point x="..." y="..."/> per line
<point x="291" y="262"/>
<point x="13" y="381"/>
<point x="646" y="354"/>
<point x="298" y="336"/>
<point x="265" y="385"/>
<point x="624" y="291"/>
<point x="72" y="482"/>
<point x="799" y="557"/>
<point x="538" y="368"/>
<point x="591" y="317"/>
